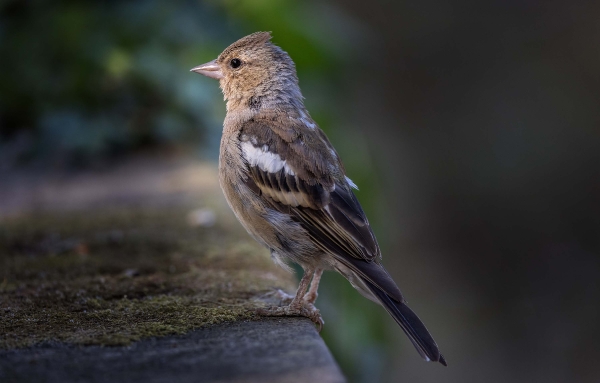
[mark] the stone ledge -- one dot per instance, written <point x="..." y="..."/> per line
<point x="268" y="350"/>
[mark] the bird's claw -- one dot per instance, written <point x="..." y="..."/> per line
<point x="304" y="309"/>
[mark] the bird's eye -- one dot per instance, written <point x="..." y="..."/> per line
<point x="235" y="63"/>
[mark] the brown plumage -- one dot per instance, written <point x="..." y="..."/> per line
<point x="287" y="186"/>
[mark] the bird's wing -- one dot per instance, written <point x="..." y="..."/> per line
<point x="298" y="172"/>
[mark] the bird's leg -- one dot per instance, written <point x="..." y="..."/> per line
<point x="287" y="299"/>
<point x="311" y="295"/>
<point x="298" y="306"/>
<point x="302" y="287"/>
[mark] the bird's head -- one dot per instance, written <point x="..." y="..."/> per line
<point x="253" y="72"/>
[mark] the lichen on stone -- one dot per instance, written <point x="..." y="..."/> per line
<point x="112" y="277"/>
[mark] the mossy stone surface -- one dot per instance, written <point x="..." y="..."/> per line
<point x="268" y="350"/>
<point x="114" y="276"/>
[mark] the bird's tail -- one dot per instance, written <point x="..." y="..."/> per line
<point x="410" y="323"/>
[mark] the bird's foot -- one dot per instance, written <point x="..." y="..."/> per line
<point x="301" y="308"/>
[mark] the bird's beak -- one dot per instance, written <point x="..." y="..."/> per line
<point x="210" y="69"/>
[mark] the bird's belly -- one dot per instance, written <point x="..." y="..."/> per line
<point x="285" y="238"/>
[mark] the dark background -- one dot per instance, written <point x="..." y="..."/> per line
<point x="472" y="129"/>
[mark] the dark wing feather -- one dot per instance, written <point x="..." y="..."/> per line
<point x="413" y="327"/>
<point x="313" y="190"/>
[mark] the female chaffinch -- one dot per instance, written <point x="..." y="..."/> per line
<point x="287" y="186"/>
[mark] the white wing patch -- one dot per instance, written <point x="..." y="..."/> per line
<point x="306" y="121"/>
<point x="265" y="160"/>
<point x="352" y="184"/>
<point x="310" y="125"/>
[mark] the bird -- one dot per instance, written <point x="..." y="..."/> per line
<point x="287" y="186"/>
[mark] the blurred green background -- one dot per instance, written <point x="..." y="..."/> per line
<point x="472" y="130"/>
